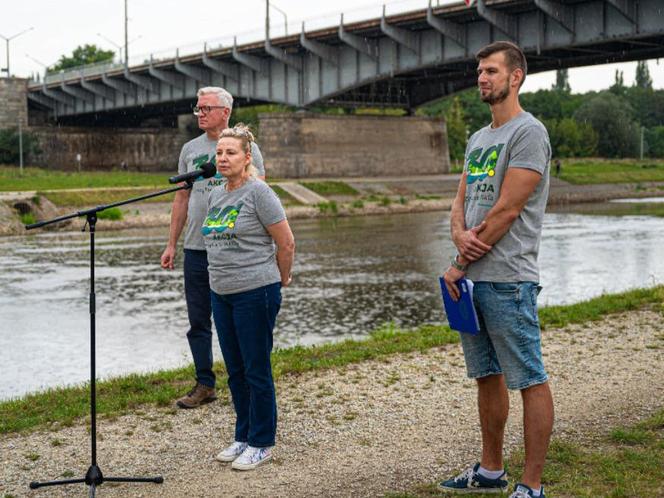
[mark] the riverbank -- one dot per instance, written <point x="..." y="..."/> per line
<point x="368" y="426"/>
<point x="345" y="197"/>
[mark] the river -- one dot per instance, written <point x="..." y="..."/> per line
<point x="351" y="276"/>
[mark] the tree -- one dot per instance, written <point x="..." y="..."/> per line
<point x="562" y="82"/>
<point x="618" y="87"/>
<point x="643" y="79"/>
<point x="611" y="117"/>
<point x="10" y="148"/>
<point x="655" y="141"/>
<point x="82" y="55"/>
<point x="456" y="130"/>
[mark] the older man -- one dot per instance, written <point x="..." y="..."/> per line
<point x="213" y="109"/>
<point x="496" y="226"/>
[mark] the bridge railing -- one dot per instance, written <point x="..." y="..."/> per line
<point x="277" y="29"/>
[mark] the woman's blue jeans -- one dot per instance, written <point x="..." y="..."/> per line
<point x="244" y="323"/>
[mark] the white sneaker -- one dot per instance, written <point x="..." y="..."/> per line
<point x="251" y="458"/>
<point x="232" y="452"/>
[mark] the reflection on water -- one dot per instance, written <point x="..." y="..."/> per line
<point x="351" y="275"/>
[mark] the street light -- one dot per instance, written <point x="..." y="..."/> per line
<point x="8" y="39"/>
<point x="45" y="66"/>
<point x="281" y="12"/>
<point x="119" y="47"/>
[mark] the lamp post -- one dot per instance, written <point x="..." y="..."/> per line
<point x="267" y="14"/>
<point x="7" y="40"/>
<point x="116" y="45"/>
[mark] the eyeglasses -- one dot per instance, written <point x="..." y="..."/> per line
<point x="205" y="109"/>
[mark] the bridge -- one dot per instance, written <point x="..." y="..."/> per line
<point x="402" y="60"/>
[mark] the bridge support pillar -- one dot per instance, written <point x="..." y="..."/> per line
<point x="308" y="145"/>
<point x="14" y="98"/>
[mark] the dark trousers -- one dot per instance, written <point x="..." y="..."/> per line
<point x="244" y="324"/>
<point x="197" y="293"/>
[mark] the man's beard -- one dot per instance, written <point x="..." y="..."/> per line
<point x="497" y="98"/>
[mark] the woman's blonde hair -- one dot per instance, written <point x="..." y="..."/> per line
<point x="244" y="135"/>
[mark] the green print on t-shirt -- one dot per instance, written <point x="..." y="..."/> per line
<point x="218" y="220"/>
<point x="482" y="163"/>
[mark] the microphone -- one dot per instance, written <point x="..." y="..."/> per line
<point x="208" y="170"/>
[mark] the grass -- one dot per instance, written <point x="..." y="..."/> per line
<point x="47" y="179"/>
<point x="328" y="207"/>
<point x="113" y="214"/>
<point x="618" y="465"/>
<point x="285" y="197"/>
<point x="97" y="197"/>
<point x="590" y="171"/>
<point x="63" y="406"/>
<point x="614" y="209"/>
<point x="330" y="188"/>
<point x="627" y="462"/>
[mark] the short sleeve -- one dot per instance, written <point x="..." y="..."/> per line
<point x="268" y="206"/>
<point x="257" y="159"/>
<point x="182" y="162"/>
<point x="531" y="149"/>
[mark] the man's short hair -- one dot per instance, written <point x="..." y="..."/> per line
<point x="514" y="56"/>
<point x="225" y="98"/>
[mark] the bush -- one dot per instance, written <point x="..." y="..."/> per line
<point x="113" y="214"/>
<point x="654" y="138"/>
<point x="9" y="145"/>
<point x="611" y="117"/>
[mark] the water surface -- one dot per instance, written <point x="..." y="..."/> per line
<point x="351" y="276"/>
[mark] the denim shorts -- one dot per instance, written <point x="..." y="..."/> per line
<point x="509" y="339"/>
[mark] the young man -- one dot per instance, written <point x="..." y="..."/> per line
<point x="213" y="110"/>
<point x="496" y="224"/>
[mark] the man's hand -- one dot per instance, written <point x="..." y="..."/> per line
<point x="451" y="277"/>
<point x="470" y="247"/>
<point x="168" y="258"/>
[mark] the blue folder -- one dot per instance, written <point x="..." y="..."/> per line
<point x="461" y="314"/>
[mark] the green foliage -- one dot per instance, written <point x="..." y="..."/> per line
<point x="385" y="201"/>
<point x="28" y="218"/>
<point x="48" y="179"/>
<point x="82" y="55"/>
<point x="330" y="188"/>
<point x="96" y="197"/>
<point x="249" y="115"/>
<point x="113" y="214"/>
<point x="327" y="207"/>
<point x="611" y="117"/>
<point x="357" y="204"/>
<point x="9" y="145"/>
<point x="591" y="171"/>
<point x="654" y="139"/>
<point x="562" y="81"/>
<point x="457" y="133"/>
<point x="285" y="198"/>
<point x="643" y="79"/>
<point x="570" y="138"/>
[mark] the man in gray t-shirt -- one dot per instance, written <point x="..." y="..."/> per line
<point x="213" y="110"/>
<point x="496" y="223"/>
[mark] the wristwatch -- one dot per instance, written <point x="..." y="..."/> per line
<point x="455" y="264"/>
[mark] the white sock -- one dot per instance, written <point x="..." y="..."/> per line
<point x="537" y="492"/>
<point x="490" y="474"/>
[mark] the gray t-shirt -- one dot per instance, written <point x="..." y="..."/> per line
<point x="195" y="154"/>
<point x="241" y="252"/>
<point x="522" y="142"/>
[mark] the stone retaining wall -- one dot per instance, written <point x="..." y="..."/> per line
<point x="307" y="145"/>
<point x="13" y="102"/>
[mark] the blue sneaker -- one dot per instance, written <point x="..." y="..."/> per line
<point x="469" y="481"/>
<point x="523" y="491"/>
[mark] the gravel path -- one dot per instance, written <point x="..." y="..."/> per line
<point x="362" y="430"/>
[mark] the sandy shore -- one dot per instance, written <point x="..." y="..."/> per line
<point x="362" y="430"/>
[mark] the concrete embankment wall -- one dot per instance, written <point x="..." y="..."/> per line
<point x="306" y="145"/>
<point x="140" y="149"/>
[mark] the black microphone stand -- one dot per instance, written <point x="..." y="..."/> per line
<point x="94" y="476"/>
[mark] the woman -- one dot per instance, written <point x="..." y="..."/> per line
<point x="245" y="222"/>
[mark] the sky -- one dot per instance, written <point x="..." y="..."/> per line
<point x="159" y="27"/>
